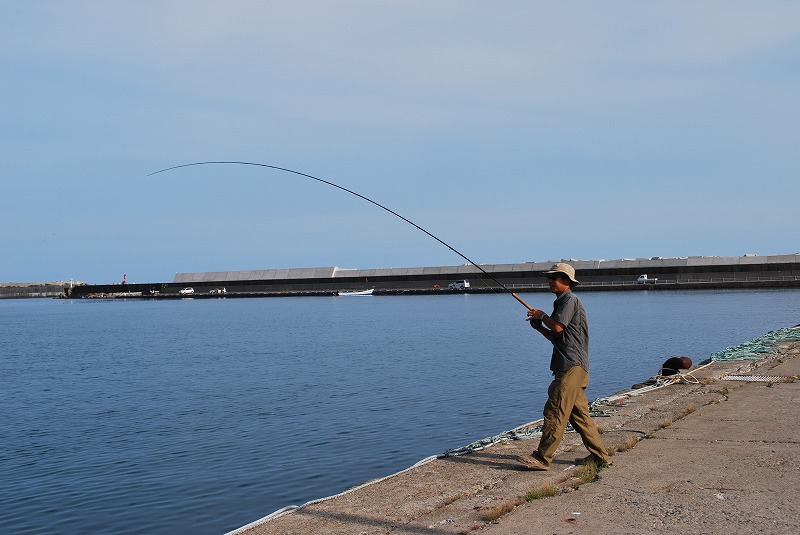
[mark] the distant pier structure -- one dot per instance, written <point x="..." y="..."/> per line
<point x="692" y="272"/>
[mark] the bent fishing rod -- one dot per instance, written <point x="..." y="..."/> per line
<point x="284" y="169"/>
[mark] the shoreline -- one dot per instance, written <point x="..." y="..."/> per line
<point x="458" y="493"/>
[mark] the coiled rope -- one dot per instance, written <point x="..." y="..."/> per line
<point x="751" y="350"/>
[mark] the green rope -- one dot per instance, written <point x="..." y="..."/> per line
<point x="754" y="348"/>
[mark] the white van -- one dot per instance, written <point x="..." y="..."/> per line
<point x="458" y="285"/>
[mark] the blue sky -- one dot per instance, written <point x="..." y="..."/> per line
<point x="515" y="131"/>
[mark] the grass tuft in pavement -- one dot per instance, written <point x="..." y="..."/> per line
<point x="546" y="490"/>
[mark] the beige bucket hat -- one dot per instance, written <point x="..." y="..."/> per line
<point x="566" y="269"/>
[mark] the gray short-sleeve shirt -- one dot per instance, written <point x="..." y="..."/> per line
<point x="571" y="345"/>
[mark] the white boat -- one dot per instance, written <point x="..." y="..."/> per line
<point x="362" y="292"/>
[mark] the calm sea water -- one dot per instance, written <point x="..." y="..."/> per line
<point x="204" y="415"/>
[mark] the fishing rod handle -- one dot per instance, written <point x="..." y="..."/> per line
<point x="518" y="298"/>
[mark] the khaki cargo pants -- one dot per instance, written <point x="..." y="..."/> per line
<point x="567" y="402"/>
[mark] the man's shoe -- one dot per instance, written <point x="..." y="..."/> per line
<point x="530" y="463"/>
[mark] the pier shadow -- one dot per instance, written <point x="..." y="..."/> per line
<point x="499" y="461"/>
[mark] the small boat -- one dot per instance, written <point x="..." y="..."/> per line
<point x="362" y="292"/>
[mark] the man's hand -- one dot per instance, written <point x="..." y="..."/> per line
<point x="535" y="317"/>
<point x="536" y="314"/>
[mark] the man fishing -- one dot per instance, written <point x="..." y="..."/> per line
<point x="568" y="331"/>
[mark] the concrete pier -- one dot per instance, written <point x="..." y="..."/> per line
<point x="715" y="456"/>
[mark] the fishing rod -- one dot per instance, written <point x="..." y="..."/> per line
<point x="514" y="295"/>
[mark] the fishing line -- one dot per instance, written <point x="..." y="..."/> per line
<point x="514" y="295"/>
<point x="24" y="250"/>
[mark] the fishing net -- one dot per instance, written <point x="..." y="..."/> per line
<point x="754" y="348"/>
<point x="524" y="432"/>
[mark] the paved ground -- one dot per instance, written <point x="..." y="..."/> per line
<point x="714" y="457"/>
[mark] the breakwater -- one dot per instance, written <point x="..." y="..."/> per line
<point x="685" y="273"/>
